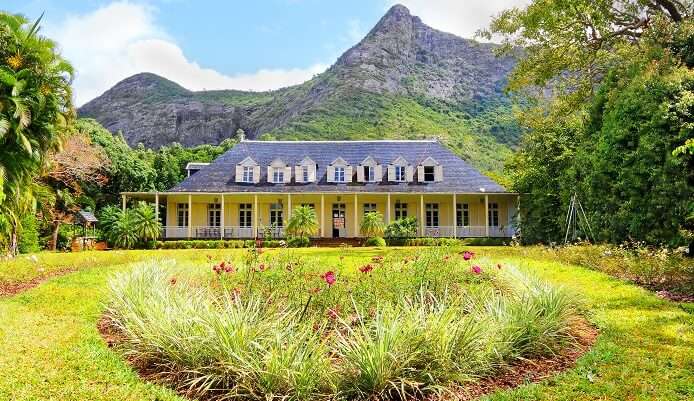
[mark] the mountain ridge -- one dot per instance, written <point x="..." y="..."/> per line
<point x="404" y="80"/>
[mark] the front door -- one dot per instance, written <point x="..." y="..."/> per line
<point x="339" y="227"/>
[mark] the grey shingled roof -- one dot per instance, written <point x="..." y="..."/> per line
<point x="87" y="216"/>
<point x="458" y="176"/>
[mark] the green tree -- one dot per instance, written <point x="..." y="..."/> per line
<point x="35" y="112"/>
<point x="372" y="225"/>
<point x="124" y="231"/>
<point x="303" y="222"/>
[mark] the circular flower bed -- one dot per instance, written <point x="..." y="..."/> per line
<point x="280" y="326"/>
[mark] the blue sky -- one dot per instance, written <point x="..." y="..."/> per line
<point x="251" y="45"/>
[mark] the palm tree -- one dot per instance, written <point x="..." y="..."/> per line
<point x="372" y="225"/>
<point x="35" y="109"/>
<point x="145" y="221"/>
<point x="124" y="231"/>
<point x="303" y="222"/>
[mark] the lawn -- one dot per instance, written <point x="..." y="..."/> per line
<point x="51" y="349"/>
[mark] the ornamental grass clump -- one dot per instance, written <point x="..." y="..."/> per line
<point x="391" y="327"/>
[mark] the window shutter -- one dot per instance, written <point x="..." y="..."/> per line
<point x="378" y="173"/>
<point x="391" y="172"/>
<point x="420" y="173"/>
<point x="438" y="173"/>
<point x="287" y="175"/>
<point x="256" y="174"/>
<point x="311" y="173"/>
<point x="298" y="174"/>
<point x="360" y="173"/>
<point x="331" y="174"/>
<point x="409" y="173"/>
<point x="270" y="178"/>
<point x="348" y="173"/>
<point x="239" y="173"/>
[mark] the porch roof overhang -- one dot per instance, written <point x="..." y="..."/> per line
<point x="275" y="193"/>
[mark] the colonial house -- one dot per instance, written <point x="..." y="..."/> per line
<point x="251" y="190"/>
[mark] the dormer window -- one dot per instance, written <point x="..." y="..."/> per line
<point x="304" y="174"/>
<point x="339" y="171"/>
<point x="278" y="174"/>
<point x="429" y="174"/>
<point x="369" y="173"/>
<point x="248" y="171"/>
<point x="400" y="173"/>
<point x="369" y="170"/>
<point x="429" y="171"/>
<point x="248" y="174"/>
<point x="305" y="171"/>
<point x="339" y="174"/>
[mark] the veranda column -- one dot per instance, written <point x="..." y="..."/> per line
<point x="289" y="206"/>
<point x="156" y="209"/>
<point x="123" y="198"/>
<point x="321" y="219"/>
<point x="421" y="215"/>
<point x="455" y="217"/>
<point x="190" y="216"/>
<point x="388" y="210"/>
<point x="486" y="215"/>
<point x="255" y="216"/>
<point x="356" y="217"/>
<point x="221" y="223"/>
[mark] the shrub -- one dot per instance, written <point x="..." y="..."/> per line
<point x="298" y="242"/>
<point x="28" y="234"/>
<point x="372" y="224"/>
<point x="375" y="241"/>
<point x="402" y="228"/>
<point x="278" y="326"/>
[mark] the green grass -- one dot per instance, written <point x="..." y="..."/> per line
<point x="51" y="349"/>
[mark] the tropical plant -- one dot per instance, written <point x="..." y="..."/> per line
<point x="124" y="231"/>
<point x="303" y="222"/>
<point x="402" y="228"/>
<point x="35" y="110"/>
<point x="145" y="222"/>
<point x="372" y="225"/>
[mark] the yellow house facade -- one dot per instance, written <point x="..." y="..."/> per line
<point x="252" y="190"/>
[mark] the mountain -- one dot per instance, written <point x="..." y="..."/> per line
<point x="403" y="80"/>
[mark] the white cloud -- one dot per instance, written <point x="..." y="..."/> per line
<point x="461" y="17"/>
<point x="122" y="39"/>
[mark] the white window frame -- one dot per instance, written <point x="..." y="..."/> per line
<point x="304" y="173"/>
<point x="182" y="211"/>
<point x="248" y="174"/>
<point x="214" y="215"/>
<point x="340" y="174"/>
<point x="400" y="210"/>
<point x="278" y="175"/>
<point x="370" y="207"/>
<point x="432" y="174"/>
<point x="432" y="215"/>
<point x="245" y="215"/>
<point x="493" y="214"/>
<point x="276" y="214"/>
<point x="400" y="173"/>
<point x="462" y="209"/>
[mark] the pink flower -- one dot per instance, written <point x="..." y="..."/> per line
<point x="329" y="277"/>
<point x="366" y="268"/>
<point x="476" y="269"/>
<point x="377" y="259"/>
<point x="467" y="255"/>
<point x="333" y="313"/>
<point x="262" y="267"/>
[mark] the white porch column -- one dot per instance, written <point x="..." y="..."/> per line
<point x="221" y="223"/>
<point x="486" y="215"/>
<point x="455" y="217"/>
<point x="356" y="216"/>
<point x="190" y="216"/>
<point x="321" y="219"/>
<point x="255" y="216"/>
<point x="388" y="210"/>
<point x="123" y="201"/>
<point x="421" y="215"/>
<point x="156" y="208"/>
<point x="289" y="206"/>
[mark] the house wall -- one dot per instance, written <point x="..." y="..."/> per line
<point x="507" y="208"/>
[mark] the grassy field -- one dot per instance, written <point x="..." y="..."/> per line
<point x="51" y="349"/>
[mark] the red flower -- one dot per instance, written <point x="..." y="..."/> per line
<point x="262" y="267"/>
<point x="228" y="268"/>
<point x="476" y="269"/>
<point x="377" y="259"/>
<point x="445" y="258"/>
<point x="366" y="268"/>
<point x="333" y="313"/>
<point x="329" y="277"/>
<point x="217" y="269"/>
<point x="467" y="255"/>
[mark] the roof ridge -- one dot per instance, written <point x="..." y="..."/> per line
<point x="348" y="141"/>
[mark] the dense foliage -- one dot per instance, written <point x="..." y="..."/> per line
<point x="285" y="327"/>
<point x="35" y="113"/>
<point x="134" y="227"/>
<point x="614" y="128"/>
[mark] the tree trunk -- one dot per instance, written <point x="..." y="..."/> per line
<point x="54" y="240"/>
<point x="14" y="244"/>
